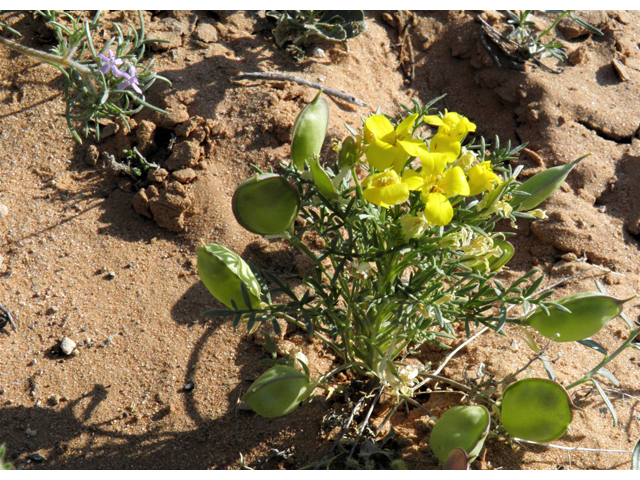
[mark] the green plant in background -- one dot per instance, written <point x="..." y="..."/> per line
<point x="524" y="42"/>
<point x="408" y="252"/>
<point x="297" y="25"/>
<point x="99" y="84"/>
<point x="3" y="465"/>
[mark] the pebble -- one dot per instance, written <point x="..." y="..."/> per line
<point x="3" y="210"/>
<point x="188" y="387"/>
<point x="110" y="276"/>
<point x="318" y="52"/>
<point x="32" y="363"/>
<point x="36" y="457"/>
<point x="67" y="345"/>
<point x="31" y="433"/>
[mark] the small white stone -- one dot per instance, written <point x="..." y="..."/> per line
<point x="67" y="345"/>
<point x="318" y="52"/>
<point x="3" y="210"/>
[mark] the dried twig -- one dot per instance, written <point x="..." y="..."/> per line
<point x="279" y="77"/>
<point x="8" y="317"/>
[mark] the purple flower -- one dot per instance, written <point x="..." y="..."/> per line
<point x="110" y="63"/>
<point x="131" y="80"/>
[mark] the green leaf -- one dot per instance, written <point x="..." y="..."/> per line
<point x="587" y="342"/>
<point x="541" y="186"/>
<point x="606" y="401"/>
<point x="635" y="457"/>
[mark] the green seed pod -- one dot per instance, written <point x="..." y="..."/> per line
<point x="590" y="312"/>
<point x="347" y="156"/>
<point x="222" y="271"/>
<point x="266" y="204"/>
<point x="541" y="186"/>
<point x="278" y="391"/>
<point x="536" y="409"/>
<point x="463" y="427"/>
<point x="309" y="131"/>
<point x="322" y="180"/>
<point x="507" y="253"/>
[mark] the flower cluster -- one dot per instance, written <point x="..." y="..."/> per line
<point x="445" y="169"/>
<point x="110" y="63"/>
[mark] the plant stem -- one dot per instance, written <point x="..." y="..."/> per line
<point x="553" y="25"/>
<point x="84" y="71"/>
<point x="605" y="360"/>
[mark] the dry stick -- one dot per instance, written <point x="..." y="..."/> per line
<point x="279" y="77"/>
<point x="572" y="449"/>
<point x="344" y="430"/>
<point x="366" y="421"/>
<point x="9" y="318"/>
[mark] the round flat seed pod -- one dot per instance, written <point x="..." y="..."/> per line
<point x="266" y="204"/>
<point x="536" y="409"/>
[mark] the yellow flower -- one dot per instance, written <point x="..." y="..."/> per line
<point x="452" y="128"/>
<point x="386" y="189"/>
<point x="389" y="147"/>
<point x="437" y="185"/>
<point x="482" y="178"/>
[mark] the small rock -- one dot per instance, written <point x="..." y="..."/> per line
<point x="3" y="210"/>
<point x="67" y="345"/>
<point x="579" y="55"/>
<point x="622" y="71"/>
<point x="141" y="203"/>
<point x="36" y="457"/>
<point x="92" y="155"/>
<point x="623" y="17"/>
<point x="185" y="129"/>
<point x="206" y="33"/>
<point x="189" y="386"/>
<point x="186" y="175"/>
<point x="158" y="175"/>
<point x="31" y="433"/>
<point x="110" y="275"/>
<point x="318" y="52"/>
<point x="32" y="363"/>
<point x="185" y="154"/>
<point x="109" y="130"/>
<point x="145" y="134"/>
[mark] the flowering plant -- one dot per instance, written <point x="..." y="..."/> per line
<point x="98" y="84"/>
<point x="406" y="220"/>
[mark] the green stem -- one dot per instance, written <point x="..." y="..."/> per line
<point x="605" y="360"/>
<point x="553" y="25"/>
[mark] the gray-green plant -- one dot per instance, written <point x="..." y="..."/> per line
<point x="530" y="40"/>
<point x="407" y="254"/>
<point x="104" y="83"/>
<point x="296" y="26"/>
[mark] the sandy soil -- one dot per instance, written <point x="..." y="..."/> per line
<point x="86" y="254"/>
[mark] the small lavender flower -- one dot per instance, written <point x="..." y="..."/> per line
<point x="131" y="80"/>
<point x="111" y="63"/>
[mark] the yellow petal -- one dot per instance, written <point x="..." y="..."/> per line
<point x="394" y="194"/>
<point x="399" y="160"/>
<point x="482" y="178"/>
<point x="404" y="129"/>
<point x="438" y="210"/>
<point x="414" y="180"/>
<point x="454" y="182"/>
<point x="434" y="163"/>
<point x="387" y="195"/>
<point x="378" y="127"/>
<point x="413" y="146"/>
<point x="433" y="120"/>
<point x="381" y="154"/>
<point x="442" y="143"/>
